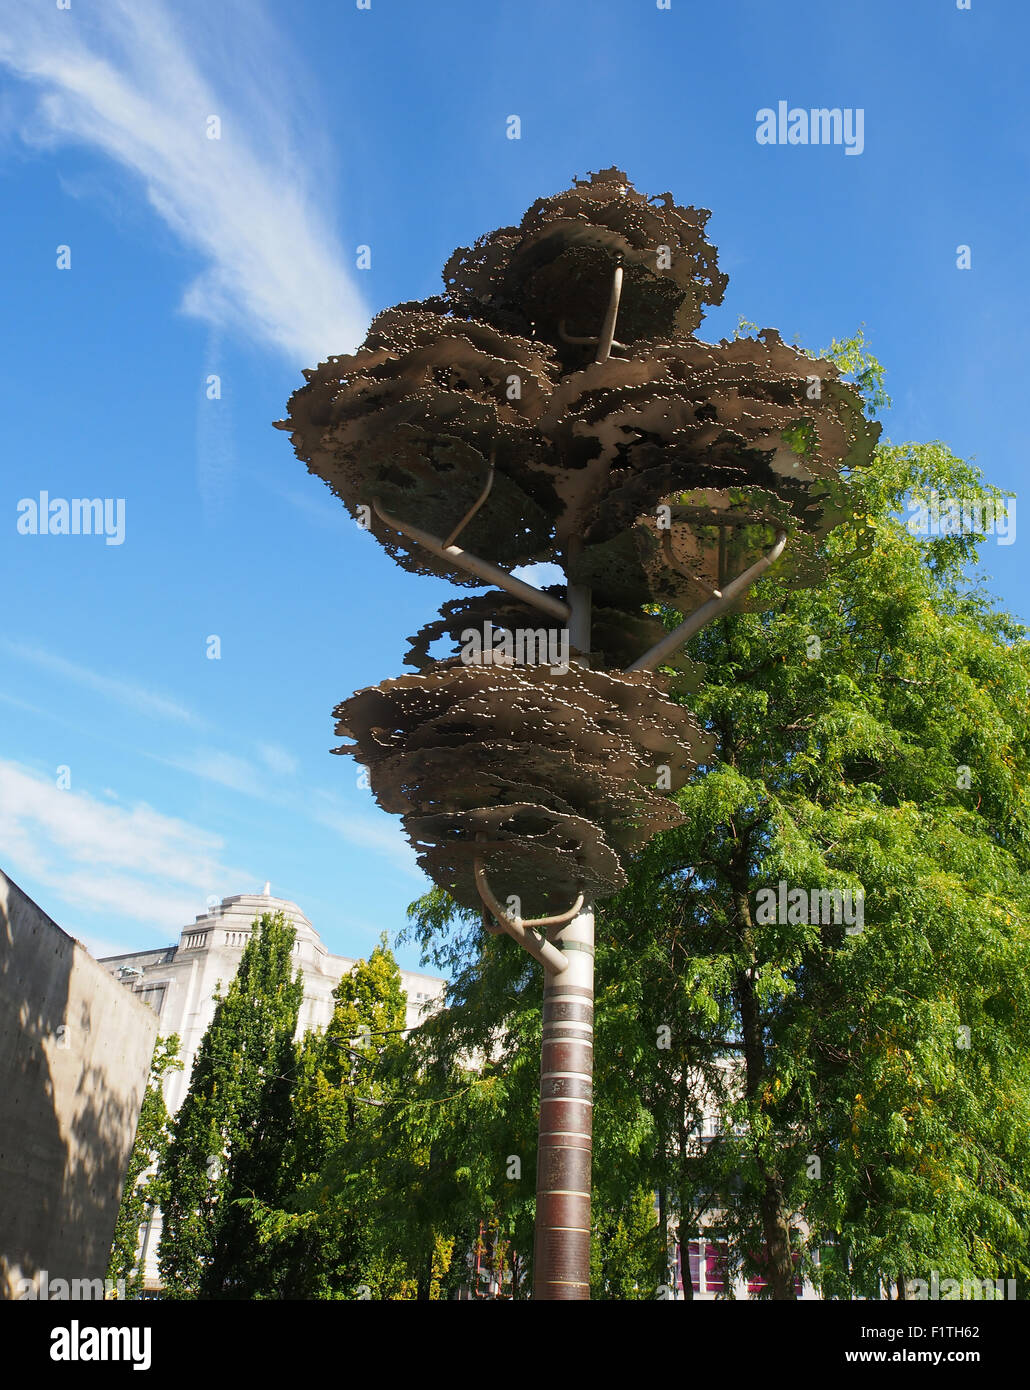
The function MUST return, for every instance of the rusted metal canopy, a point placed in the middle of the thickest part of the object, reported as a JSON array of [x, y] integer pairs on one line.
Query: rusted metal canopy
[[550, 277], [416, 419], [551, 777], [479, 424], [434, 410]]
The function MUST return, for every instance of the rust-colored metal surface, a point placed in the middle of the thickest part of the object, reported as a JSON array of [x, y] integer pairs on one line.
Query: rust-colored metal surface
[[550, 277], [587, 458], [550, 776]]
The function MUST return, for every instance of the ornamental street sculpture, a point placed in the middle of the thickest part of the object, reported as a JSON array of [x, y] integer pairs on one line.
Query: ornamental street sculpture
[[553, 405]]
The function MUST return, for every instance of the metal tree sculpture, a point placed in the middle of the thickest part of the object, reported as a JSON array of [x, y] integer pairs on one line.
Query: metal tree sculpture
[[554, 405]]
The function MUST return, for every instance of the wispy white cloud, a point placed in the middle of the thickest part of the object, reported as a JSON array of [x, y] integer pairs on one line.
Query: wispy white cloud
[[121, 78], [100, 946], [318, 506], [15, 703], [375, 831], [127, 862], [372, 831], [217, 765], [126, 693], [240, 774], [277, 759]]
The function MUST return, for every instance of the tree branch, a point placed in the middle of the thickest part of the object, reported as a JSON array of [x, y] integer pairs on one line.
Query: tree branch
[[709, 611], [472, 564], [540, 949]]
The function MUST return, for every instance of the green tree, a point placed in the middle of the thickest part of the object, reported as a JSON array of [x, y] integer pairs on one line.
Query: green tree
[[484, 1122], [139, 1192], [872, 736], [230, 1133], [837, 763], [333, 1231]]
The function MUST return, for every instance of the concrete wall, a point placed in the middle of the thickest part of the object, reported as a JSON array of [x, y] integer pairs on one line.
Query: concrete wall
[[75, 1049]]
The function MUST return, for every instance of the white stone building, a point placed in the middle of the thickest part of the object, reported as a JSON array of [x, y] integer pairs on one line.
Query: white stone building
[[179, 982]]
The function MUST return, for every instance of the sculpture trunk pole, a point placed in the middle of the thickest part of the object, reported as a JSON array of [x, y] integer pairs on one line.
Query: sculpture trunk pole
[[561, 1261]]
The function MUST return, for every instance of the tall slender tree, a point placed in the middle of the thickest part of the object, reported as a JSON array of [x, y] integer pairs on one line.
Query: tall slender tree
[[352, 1218], [230, 1132]]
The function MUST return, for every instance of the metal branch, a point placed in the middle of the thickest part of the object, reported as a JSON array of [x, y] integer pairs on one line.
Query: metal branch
[[515, 927], [714, 608], [606, 340], [557, 921], [475, 506], [574, 340], [577, 341], [604, 348], [674, 564], [488, 924], [472, 564], [586, 342]]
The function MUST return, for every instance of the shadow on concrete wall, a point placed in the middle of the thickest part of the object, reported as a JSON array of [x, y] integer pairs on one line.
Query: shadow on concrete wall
[[75, 1049]]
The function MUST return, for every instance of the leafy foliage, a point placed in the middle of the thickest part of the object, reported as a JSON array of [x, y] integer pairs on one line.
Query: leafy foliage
[[862, 1141], [139, 1192], [229, 1135]]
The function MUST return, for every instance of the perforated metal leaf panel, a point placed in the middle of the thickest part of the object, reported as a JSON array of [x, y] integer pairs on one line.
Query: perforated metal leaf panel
[[654, 476], [553, 271], [579, 748]]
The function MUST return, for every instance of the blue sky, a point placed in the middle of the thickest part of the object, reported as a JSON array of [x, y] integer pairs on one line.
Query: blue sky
[[189, 778]]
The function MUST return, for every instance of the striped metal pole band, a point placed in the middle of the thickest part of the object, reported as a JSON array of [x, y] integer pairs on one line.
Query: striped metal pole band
[[561, 1262]]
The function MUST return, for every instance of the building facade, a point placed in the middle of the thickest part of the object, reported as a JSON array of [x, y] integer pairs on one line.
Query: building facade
[[179, 982]]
